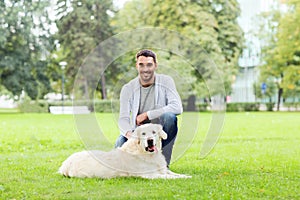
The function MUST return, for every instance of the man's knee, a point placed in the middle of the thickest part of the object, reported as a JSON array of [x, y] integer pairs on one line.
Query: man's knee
[[120, 141], [169, 123], [168, 120]]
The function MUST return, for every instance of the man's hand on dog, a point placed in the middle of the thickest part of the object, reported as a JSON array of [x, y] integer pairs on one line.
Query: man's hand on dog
[[128, 134], [141, 118]]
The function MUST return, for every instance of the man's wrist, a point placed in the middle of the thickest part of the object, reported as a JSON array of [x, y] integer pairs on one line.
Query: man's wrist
[[128, 134], [146, 116]]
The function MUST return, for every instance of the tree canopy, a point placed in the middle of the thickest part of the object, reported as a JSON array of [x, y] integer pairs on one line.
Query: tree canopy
[[82, 26], [280, 34], [25, 43], [26, 38], [288, 49], [211, 24], [29, 62]]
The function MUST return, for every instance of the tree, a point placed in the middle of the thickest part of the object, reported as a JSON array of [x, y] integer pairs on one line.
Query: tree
[[211, 24], [81, 29], [24, 44], [279, 34], [288, 50], [230, 36], [269, 71]]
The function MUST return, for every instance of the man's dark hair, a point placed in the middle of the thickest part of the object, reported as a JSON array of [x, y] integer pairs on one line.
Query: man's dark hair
[[146, 53]]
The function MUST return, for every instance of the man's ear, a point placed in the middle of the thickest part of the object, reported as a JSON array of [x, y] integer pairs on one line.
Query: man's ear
[[161, 132]]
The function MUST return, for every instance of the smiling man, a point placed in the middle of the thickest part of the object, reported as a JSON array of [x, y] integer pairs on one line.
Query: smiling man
[[149, 98]]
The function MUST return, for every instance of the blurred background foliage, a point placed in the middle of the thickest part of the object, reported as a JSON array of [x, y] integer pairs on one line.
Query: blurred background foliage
[[279, 33], [37, 36]]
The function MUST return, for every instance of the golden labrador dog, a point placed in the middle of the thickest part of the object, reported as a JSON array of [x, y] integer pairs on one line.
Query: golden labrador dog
[[140, 156]]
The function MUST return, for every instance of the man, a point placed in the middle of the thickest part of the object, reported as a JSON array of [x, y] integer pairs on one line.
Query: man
[[149, 98]]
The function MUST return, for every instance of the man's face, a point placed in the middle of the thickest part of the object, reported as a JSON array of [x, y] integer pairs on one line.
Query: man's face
[[146, 68]]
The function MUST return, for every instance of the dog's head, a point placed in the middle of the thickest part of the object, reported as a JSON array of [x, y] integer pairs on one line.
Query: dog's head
[[149, 137]]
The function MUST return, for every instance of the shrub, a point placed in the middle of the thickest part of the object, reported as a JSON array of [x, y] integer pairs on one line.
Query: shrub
[[42, 106], [108, 106], [251, 106], [290, 105], [241, 107], [100, 106], [270, 106], [30, 106], [59, 103], [203, 107]]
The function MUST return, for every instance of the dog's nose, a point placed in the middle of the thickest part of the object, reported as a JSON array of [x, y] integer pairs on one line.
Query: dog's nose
[[150, 142]]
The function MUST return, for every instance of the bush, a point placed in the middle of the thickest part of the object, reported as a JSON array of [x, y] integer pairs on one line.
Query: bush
[[199, 107], [270, 106], [59, 103], [107, 106], [241, 107], [30, 106], [100, 106], [290, 105], [251, 106], [203, 107], [42, 106]]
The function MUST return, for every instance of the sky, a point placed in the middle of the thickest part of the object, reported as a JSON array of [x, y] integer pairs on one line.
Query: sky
[[119, 3], [251, 8]]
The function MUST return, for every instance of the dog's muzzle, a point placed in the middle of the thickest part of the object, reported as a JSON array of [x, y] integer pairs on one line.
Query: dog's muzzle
[[150, 145]]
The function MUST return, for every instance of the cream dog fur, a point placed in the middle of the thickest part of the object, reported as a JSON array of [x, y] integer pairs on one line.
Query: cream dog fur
[[140, 156]]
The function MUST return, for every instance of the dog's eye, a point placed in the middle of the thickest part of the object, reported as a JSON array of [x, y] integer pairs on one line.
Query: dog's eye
[[143, 133], [153, 132]]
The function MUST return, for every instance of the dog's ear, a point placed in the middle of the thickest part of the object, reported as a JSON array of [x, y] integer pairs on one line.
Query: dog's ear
[[161, 132], [137, 132]]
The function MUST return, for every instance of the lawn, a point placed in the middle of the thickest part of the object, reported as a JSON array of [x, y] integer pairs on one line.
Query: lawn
[[256, 157]]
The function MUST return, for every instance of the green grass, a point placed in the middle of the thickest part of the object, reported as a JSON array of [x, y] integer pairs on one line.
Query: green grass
[[257, 157]]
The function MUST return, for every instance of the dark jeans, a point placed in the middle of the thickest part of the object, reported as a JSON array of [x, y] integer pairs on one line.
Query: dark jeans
[[169, 123]]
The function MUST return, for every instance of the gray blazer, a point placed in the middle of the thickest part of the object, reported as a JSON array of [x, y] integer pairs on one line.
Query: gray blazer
[[167, 99]]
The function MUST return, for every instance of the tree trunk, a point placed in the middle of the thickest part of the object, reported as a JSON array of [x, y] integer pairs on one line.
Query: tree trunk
[[86, 90], [280, 91], [103, 87]]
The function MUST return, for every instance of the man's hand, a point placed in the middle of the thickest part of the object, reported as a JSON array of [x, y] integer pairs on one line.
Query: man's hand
[[128, 134], [141, 118]]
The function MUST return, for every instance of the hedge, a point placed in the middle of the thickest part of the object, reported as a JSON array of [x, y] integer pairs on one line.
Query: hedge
[[42, 106], [28, 106], [290, 105], [240, 107]]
